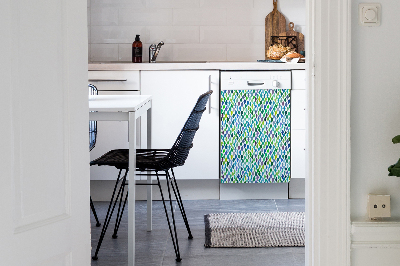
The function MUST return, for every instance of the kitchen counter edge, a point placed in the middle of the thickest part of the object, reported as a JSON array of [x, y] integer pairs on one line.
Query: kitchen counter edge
[[195, 66]]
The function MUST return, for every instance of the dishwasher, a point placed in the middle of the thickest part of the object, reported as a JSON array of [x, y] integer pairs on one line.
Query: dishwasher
[[255, 126]]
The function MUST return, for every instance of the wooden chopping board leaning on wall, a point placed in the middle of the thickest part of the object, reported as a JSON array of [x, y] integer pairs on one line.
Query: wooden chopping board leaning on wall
[[299, 36], [275, 24]]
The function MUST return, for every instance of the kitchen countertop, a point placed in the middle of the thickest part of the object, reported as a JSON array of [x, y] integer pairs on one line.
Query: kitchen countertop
[[195, 66]]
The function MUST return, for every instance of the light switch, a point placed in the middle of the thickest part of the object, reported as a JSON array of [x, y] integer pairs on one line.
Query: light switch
[[369, 14]]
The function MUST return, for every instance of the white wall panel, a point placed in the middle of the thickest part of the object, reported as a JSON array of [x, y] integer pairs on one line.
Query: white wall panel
[[145, 17], [235, 52], [202, 16], [103, 52], [172, 3], [374, 122], [105, 16], [172, 34], [236, 24]]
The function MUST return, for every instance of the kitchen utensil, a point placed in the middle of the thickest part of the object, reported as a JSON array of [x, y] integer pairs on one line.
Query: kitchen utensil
[[275, 23], [292, 32]]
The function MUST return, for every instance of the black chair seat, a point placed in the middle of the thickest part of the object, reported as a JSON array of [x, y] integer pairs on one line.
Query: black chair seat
[[117, 158], [146, 159]]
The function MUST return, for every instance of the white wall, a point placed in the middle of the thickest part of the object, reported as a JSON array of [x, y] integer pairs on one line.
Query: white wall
[[375, 113], [193, 30], [375, 108]]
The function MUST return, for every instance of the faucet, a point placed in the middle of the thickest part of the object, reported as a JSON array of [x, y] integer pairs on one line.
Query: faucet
[[154, 50]]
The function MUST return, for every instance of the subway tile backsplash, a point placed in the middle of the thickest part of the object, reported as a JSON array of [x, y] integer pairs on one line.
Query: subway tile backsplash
[[192, 30]]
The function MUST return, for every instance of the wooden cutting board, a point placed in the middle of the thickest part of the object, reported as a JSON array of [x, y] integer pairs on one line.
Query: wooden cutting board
[[275, 23], [292, 32]]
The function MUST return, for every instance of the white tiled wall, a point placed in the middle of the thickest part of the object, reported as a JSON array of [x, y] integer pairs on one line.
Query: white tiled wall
[[192, 30]]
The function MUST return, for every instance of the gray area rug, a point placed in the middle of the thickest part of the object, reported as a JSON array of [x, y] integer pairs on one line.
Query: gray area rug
[[238, 230]]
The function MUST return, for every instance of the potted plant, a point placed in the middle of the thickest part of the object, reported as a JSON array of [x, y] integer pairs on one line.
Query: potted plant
[[394, 170]]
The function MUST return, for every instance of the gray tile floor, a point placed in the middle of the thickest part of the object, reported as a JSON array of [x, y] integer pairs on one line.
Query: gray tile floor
[[155, 248]]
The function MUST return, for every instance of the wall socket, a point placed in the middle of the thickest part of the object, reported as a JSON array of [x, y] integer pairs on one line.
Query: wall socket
[[378, 206]]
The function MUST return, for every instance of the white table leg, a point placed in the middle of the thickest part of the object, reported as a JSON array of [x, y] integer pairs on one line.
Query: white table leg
[[149, 178], [132, 189]]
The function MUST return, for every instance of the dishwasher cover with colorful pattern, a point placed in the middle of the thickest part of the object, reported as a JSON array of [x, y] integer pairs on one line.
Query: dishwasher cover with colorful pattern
[[255, 136]]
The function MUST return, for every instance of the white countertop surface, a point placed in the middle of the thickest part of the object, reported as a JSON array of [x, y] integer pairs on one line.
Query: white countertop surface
[[196, 66], [117, 103]]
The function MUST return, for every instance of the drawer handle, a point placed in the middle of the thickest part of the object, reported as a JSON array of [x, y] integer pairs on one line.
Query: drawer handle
[[254, 83], [100, 80]]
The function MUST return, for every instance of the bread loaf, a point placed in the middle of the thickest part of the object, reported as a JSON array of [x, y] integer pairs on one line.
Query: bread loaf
[[293, 55], [276, 51]]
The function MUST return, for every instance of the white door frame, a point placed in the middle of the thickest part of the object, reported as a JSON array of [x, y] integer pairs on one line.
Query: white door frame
[[328, 137], [328, 154]]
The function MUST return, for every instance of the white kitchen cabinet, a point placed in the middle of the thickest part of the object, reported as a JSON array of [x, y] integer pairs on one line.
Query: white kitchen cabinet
[[112, 134], [298, 109], [298, 161], [298, 124], [115, 80], [298, 79], [174, 96]]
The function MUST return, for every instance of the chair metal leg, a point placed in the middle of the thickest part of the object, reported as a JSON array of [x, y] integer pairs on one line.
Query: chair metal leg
[[174, 239], [120, 211], [178, 258], [94, 213], [180, 203], [109, 213]]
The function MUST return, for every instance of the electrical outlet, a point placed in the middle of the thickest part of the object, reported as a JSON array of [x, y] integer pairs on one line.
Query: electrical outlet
[[378, 206]]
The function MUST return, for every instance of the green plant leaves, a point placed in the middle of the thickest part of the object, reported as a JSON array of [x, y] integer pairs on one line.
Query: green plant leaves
[[396, 139], [394, 170]]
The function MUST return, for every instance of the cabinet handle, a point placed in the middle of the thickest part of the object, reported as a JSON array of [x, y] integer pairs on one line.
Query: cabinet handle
[[209, 89], [275, 84], [99, 80], [209, 99], [254, 83]]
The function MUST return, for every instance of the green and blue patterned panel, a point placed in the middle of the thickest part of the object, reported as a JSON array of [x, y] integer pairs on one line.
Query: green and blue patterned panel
[[255, 136]]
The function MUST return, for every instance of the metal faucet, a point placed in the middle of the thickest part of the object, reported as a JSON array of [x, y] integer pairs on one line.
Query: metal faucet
[[154, 50]]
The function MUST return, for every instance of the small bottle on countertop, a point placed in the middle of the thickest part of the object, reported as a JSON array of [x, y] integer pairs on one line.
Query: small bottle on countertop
[[137, 50]]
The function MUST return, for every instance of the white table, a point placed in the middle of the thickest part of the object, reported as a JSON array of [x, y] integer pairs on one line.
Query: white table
[[127, 108]]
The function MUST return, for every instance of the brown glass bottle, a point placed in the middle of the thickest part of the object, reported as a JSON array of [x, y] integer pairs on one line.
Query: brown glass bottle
[[137, 50]]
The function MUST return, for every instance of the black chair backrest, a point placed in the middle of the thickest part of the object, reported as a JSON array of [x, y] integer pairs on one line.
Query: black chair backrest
[[92, 124], [180, 150]]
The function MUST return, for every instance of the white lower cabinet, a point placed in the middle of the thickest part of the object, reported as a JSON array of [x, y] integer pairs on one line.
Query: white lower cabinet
[[298, 135], [174, 96], [112, 134], [298, 152]]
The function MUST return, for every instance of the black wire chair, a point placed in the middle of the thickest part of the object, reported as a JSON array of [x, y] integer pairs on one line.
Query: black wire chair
[[92, 143], [154, 160]]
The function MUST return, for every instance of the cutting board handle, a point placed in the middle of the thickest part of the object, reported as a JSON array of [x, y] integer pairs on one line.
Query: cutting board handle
[[291, 26], [275, 4]]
